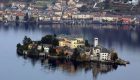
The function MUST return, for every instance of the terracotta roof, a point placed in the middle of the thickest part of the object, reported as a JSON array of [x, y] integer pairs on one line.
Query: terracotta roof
[[20, 14]]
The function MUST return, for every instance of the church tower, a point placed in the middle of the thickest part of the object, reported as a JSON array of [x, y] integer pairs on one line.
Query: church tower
[[95, 42]]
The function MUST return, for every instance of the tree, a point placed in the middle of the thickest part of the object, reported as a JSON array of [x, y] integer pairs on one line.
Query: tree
[[3, 18], [61, 53], [42, 48], [50, 39], [83, 9], [106, 4], [45, 7], [75, 54], [26, 40], [19, 49], [26, 17], [55, 35], [28, 0], [52, 51], [17, 18], [125, 1], [18, 45], [32, 19], [114, 56], [55, 42], [87, 43], [47, 39]]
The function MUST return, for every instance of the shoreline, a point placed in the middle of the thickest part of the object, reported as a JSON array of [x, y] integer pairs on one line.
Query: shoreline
[[117, 62], [69, 23]]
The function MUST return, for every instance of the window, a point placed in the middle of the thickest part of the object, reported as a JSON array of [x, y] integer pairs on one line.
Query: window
[[98, 51], [98, 54]]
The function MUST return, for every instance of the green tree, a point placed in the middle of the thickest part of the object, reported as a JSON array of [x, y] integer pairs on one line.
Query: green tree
[[55, 42], [83, 9], [55, 35], [26, 40], [87, 43], [18, 45], [52, 51], [114, 56], [75, 54], [26, 17], [17, 18], [32, 19], [3, 18], [125, 1], [42, 49], [50, 39], [106, 4], [19, 48]]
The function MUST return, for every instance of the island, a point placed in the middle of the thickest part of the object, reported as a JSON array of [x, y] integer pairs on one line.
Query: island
[[69, 48]]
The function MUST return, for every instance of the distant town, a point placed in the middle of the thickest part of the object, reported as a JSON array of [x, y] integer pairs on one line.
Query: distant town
[[71, 11]]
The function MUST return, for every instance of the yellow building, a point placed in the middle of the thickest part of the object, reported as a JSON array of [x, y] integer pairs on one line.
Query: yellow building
[[81, 16], [71, 42], [56, 18]]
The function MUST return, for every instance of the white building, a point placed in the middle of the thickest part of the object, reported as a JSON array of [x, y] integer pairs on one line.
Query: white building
[[104, 54], [101, 0], [101, 54], [96, 42], [39, 47], [46, 48], [134, 2]]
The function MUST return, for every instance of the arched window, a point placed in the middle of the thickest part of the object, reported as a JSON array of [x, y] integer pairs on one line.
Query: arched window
[[98, 51]]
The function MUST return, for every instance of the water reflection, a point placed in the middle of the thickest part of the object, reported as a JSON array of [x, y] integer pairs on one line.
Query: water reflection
[[72, 67], [106, 33]]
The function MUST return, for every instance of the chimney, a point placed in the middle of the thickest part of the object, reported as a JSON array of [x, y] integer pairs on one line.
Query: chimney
[[95, 42]]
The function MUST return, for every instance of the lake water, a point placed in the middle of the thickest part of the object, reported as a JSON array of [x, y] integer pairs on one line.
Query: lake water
[[125, 40]]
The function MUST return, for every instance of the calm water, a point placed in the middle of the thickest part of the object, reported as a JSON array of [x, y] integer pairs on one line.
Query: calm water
[[125, 40]]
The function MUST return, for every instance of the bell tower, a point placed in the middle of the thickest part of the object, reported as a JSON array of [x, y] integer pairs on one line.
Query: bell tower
[[95, 42]]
